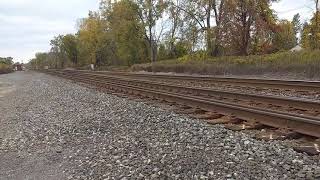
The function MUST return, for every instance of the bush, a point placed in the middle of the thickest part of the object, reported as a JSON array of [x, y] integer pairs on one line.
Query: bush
[[4, 68], [304, 62]]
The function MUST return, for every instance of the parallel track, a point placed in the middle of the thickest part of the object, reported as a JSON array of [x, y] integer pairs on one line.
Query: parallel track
[[304, 124], [267, 83]]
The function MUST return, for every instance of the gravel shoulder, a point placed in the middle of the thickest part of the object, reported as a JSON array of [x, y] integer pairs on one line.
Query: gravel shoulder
[[51, 128]]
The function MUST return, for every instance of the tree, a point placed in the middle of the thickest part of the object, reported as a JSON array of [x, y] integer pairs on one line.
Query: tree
[[203, 13], [70, 47], [285, 37], [191, 36], [91, 35], [176, 23], [127, 32], [317, 13], [163, 52], [296, 25], [150, 11], [219, 13], [248, 22], [57, 53], [6, 60], [41, 60], [311, 33], [310, 37]]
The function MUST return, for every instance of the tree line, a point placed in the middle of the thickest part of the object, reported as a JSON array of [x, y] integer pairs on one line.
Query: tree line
[[6, 64], [6, 60], [127, 32]]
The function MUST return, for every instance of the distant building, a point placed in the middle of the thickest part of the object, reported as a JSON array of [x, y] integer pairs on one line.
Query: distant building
[[296, 48]]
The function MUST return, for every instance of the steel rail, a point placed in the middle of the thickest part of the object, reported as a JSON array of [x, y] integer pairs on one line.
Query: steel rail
[[275, 100], [302, 124], [267, 83]]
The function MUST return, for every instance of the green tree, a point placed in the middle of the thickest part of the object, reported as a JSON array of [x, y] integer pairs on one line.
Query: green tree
[[127, 32], [311, 33], [163, 52], [150, 11], [6, 60], [285, 37], [58, 56], [91, 35], [40, 61], [70, 47]]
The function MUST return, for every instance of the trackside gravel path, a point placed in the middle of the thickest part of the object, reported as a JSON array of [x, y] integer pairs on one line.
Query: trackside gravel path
[[51, 128]]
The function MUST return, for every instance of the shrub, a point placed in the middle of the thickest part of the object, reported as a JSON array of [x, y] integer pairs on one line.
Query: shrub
[[4, 68], [304, 62]]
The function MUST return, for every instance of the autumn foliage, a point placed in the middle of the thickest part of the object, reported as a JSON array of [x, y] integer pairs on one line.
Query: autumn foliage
[[128, 32]]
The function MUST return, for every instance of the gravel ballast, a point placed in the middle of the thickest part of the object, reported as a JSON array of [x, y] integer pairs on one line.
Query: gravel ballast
[[51, 128]]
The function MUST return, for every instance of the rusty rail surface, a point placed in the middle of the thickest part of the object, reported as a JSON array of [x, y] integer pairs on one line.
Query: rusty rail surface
[[299, 123]]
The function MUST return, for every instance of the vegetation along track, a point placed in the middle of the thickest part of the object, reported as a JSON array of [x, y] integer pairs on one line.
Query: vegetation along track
[[201, 98]]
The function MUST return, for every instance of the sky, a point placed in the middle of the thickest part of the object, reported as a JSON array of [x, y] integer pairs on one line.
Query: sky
[[27, 26]]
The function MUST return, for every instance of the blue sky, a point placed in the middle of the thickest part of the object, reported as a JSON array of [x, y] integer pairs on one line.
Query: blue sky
[[27, 26]]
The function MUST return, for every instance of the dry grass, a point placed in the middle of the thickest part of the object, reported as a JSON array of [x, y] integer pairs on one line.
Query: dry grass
[[305, 62]]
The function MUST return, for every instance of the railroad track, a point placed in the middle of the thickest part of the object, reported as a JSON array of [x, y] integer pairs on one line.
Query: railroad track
[[266, 83], [206, 99], [292, 103]]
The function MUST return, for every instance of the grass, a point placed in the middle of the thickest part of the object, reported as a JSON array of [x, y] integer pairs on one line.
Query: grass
[[5, 69], [305, 63], [112, 68]]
